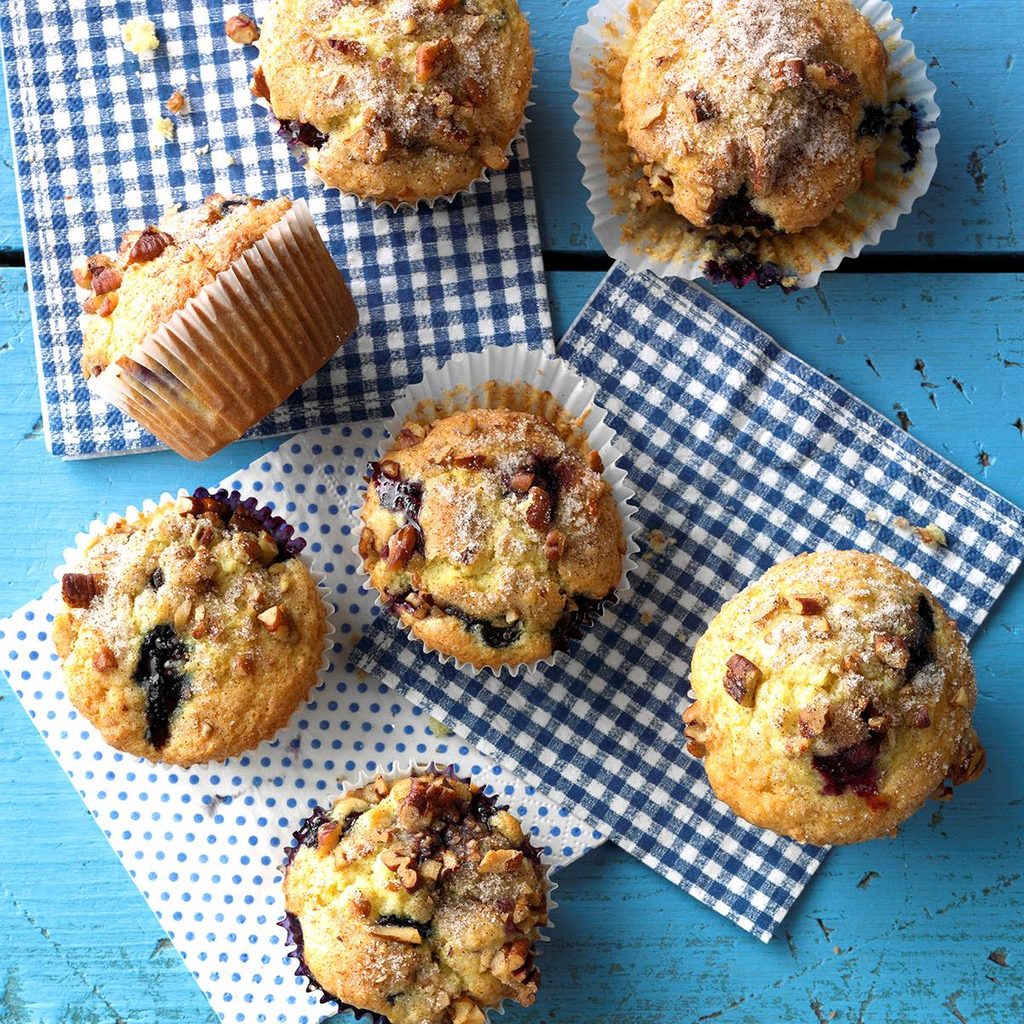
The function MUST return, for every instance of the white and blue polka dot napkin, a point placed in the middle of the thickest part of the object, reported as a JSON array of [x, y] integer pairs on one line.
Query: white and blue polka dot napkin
[[740, 455], [428, 283], [204, 845]]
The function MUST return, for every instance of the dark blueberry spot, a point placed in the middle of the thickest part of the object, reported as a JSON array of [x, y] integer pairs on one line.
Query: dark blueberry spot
[[920, 642], [307, 832], [853, 768], [156, 578], [350, 820], [230, 504], [744, 269], [873, 123], [580, 616], [230, 204], [301, 133], [161, 673], [910, 142], [739, 212], [396, 495], [497, 636], [390, 920]]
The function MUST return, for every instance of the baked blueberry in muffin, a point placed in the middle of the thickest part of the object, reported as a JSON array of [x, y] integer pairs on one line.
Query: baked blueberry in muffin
[[193, 632], [490, 536], [833, 697], [416, 899], [397, 100], [749, 115]]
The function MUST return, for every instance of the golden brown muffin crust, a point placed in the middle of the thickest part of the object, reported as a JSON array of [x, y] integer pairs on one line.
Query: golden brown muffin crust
[[491, 536], [156, 271], [833, 696], [397, 100], [745, 113], [188, 635], [417, 899]]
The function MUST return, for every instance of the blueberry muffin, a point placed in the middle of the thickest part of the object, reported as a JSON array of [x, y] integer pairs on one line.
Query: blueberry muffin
[[754, 114], [833, 697], [418, 900], [397, 100], [492, 538], [198, 365], [192, 633]]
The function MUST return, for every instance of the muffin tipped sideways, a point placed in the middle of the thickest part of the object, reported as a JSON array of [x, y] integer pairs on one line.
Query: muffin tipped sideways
[[833, 696], [417, 899]]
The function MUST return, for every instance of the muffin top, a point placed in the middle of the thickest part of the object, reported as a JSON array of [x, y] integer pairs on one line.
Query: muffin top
[[490, 536], [755, 114], [418, 899], [156, 271], [192, 633], [833, 696], [397, 100]]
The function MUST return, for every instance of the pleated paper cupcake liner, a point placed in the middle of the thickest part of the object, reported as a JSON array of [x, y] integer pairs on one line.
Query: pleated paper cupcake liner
[[293, 930], [241, 346], [660, 240], [274, 525], [523, 379]]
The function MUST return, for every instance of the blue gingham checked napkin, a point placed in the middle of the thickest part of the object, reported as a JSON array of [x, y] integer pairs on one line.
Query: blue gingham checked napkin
[[428, 282], [741, 455]]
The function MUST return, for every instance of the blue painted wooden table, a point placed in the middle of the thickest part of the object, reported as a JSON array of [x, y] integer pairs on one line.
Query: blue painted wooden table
[[925, 928]]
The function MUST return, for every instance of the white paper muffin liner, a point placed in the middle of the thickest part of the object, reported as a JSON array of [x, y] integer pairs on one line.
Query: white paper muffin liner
[[239, 347], [393, 773], [463, 383], [74, 555], [670, 247]]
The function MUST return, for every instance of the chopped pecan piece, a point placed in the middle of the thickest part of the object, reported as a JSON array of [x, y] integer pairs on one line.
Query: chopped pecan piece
[[258, 86], [432, 57], [470, 462], [348, 47], [970, 762], [79, 588], [742, 678], [496, 862], [493, 157], [410, 435], [808, 605], [105, 278], [101, 305], [594, 462], [892, 651], [788, 73], [408, 877], [150, 244], [391, 469], [474, 92], [275, 618], [918, 718], [762, 170], [82, 276], [699, 105], [694, 731], [834, 77], [401, 547], [521, 481], [442, 6], [554, 545], [399, 933], [327, 836], [538, 512], [241, 29], [813, 719], [104, 659], [176, 102]]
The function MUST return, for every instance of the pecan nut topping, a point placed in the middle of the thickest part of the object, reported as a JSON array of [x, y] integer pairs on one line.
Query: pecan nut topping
[[742, 678], [241, 29], [150, 244], [78, 589]]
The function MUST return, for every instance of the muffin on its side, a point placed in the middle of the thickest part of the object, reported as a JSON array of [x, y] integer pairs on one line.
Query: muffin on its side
[[192, 633], [416, 899], [833, 697], [201, 325], [755, 115], [398, 100], [491, 537]]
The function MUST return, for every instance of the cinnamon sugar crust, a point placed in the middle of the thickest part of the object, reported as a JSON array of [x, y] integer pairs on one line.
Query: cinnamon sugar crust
[[418, 900], [397, 100], [745, 114], [491, 537], [156, 271], [190, 634], [833, 697]]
